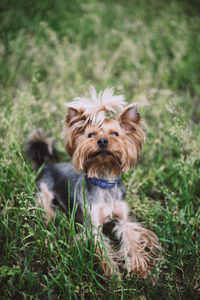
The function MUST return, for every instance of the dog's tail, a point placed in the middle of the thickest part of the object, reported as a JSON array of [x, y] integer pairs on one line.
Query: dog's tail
[[40, 149]]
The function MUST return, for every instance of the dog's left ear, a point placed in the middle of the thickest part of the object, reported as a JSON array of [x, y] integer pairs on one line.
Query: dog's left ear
[[129, 114]]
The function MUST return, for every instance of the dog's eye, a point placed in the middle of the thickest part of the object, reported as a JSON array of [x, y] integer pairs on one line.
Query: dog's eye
[[114, 133], [92, 134]]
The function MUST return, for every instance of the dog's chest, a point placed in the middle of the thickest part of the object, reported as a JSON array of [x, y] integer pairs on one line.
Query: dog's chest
[[102, 205], [107, 196]]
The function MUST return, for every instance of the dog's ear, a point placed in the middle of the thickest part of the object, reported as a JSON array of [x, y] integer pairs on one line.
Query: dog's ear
[[129, 115], [73, 126], [73, 115]]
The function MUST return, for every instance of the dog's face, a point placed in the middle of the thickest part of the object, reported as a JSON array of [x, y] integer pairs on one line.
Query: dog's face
[[105, 150]]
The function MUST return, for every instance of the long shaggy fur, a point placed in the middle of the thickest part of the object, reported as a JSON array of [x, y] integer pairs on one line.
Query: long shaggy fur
[[138, 244], [122, 152], [95, 106]]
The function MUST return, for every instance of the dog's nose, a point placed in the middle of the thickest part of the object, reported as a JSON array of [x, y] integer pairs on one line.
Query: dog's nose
[[102, 143]]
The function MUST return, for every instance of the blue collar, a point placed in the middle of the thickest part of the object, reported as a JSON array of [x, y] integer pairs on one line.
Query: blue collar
[[104, 184]]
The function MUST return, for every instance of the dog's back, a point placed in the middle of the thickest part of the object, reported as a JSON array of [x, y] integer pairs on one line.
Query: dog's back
[[56, 181]]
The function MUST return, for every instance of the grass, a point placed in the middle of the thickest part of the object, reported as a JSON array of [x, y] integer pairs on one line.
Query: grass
[[51, 52]]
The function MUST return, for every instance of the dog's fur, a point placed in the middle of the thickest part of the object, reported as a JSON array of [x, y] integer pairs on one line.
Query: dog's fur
[[101, 148]]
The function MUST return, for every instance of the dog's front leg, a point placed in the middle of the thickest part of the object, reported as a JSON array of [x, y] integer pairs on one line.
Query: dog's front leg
[[139, 246], [99, 214]]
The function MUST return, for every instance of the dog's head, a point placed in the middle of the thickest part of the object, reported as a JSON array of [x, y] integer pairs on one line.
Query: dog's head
[[102, 146]]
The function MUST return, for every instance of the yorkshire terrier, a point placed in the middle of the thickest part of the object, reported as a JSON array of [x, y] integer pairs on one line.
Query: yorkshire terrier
[[104, 139]]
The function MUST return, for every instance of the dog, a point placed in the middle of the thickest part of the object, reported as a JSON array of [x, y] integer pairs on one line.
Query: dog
[[104, 139]]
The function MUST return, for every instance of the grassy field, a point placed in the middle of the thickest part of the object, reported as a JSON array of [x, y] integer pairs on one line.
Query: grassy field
[[51, 51]]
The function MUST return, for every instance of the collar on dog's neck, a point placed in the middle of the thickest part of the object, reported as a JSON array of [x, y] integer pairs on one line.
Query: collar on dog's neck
[[103, 183]]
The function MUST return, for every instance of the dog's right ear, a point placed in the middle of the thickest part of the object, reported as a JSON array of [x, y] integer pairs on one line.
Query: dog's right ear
[[73, 127], [73, 115]]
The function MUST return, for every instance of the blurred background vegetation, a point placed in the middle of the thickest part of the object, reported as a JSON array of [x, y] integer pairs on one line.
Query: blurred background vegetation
[[50, 52]]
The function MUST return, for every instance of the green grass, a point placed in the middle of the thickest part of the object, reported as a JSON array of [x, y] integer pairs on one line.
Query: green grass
[[52, 51]]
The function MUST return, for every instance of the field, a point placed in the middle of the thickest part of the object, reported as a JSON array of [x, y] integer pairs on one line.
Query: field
[[51, 52]]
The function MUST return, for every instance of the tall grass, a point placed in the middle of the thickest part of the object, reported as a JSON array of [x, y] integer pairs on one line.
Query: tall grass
[[51, 52]]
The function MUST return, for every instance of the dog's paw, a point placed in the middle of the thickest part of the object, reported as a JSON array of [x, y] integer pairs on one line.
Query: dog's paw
[[139, 247]]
